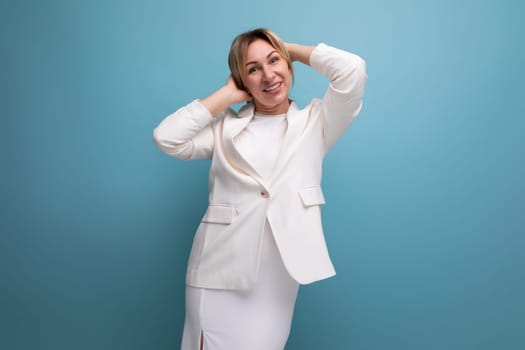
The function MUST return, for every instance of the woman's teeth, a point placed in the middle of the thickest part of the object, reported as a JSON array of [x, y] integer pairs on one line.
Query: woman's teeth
[[273, 87]]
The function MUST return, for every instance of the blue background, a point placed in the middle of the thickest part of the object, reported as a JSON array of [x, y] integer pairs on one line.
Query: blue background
[[425, 192]]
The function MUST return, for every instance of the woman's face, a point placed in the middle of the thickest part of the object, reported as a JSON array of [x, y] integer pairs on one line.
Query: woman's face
[[267, 78]]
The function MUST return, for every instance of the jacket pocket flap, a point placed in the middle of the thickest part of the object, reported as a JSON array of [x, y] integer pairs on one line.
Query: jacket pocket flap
[[312, 196], [219, 214]]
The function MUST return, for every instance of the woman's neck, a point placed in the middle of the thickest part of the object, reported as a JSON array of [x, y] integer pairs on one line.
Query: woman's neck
[[278, 109]]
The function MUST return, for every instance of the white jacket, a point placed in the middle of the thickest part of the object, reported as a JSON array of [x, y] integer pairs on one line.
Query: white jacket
[[227, 244]]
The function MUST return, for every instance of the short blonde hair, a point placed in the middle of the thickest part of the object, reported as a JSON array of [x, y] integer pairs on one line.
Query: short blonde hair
[[239, 47]]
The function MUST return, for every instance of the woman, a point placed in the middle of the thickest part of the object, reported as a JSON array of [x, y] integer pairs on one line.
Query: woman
[[261, 235]]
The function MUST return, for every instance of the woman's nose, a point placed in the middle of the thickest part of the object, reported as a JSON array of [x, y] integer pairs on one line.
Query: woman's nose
[[268, 74]]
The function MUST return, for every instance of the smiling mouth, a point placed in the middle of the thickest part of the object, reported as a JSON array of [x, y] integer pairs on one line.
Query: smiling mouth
[[273, 87]]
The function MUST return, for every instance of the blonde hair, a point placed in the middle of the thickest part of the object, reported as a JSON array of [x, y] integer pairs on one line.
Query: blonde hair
[[239, 47]]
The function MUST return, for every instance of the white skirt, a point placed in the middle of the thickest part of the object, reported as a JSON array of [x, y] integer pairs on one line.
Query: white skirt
[[258, 319]]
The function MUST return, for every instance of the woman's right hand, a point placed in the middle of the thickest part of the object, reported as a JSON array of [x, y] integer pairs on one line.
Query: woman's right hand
[[229, 94], [236, 94]]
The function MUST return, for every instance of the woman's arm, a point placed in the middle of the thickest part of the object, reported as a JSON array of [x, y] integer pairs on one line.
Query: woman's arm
[[343, 99], [299, 52], [224, 97], [187, 133]]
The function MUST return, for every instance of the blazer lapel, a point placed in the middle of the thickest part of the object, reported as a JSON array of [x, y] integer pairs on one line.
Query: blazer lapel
[[231, 128]]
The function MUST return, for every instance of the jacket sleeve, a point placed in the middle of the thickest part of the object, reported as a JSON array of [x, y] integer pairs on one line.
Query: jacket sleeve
[[343, 99], [187, 133]]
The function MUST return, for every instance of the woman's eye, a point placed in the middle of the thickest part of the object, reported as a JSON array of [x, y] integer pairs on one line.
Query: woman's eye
[[274, 59], [252, 70]]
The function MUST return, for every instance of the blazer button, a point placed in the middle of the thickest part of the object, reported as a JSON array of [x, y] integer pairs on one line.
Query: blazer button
[[264, 194]]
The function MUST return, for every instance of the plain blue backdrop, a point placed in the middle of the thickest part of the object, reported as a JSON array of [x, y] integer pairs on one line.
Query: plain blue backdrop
[[425, 196]]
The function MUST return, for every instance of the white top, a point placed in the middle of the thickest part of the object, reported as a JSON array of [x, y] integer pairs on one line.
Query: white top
[[261, 141]]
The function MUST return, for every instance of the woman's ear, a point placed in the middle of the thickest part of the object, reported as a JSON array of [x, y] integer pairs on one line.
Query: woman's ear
[[239, 84], [245, 89]]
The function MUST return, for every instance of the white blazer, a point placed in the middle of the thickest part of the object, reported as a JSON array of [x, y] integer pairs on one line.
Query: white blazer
[[227, 245]]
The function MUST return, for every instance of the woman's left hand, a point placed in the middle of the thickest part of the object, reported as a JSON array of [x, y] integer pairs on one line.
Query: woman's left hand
[[299, 52]]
